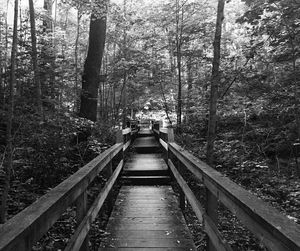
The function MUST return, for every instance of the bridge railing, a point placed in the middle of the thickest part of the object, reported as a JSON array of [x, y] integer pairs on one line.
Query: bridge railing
[[22, 231], [274, 230]]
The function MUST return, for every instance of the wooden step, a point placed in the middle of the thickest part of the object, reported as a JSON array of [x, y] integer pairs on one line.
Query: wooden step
[[146, 180], [146, 145], [162, 172], [145, 132]]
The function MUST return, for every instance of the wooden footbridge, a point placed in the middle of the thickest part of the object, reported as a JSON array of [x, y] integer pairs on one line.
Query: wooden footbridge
[[147, 214]]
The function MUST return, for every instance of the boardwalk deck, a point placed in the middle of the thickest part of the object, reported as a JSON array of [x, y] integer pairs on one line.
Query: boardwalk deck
[[145, 132], [147, 144], [145, 163], [147, 218]]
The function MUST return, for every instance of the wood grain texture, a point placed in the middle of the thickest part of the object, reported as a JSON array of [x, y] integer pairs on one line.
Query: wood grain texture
[[147, 218], [275, 230], [145, 142], [29, 225]]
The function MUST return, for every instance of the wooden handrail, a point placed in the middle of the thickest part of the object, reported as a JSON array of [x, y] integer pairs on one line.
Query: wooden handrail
[[84, 227], [275, 230], [27, 227], [126, 131]]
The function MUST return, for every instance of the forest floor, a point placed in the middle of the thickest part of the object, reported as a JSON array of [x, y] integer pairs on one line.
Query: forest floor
[[244, 160], [46, 153], [62, 144]]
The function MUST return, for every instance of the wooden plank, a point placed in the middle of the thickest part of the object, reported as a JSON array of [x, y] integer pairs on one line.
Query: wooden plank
[[220, 244], [145, 131], [145, 220], [272, 228], [164, 144], [126, 145], [163, 130], [152, 234], [146, 214], [153, 227], [171, 137], [194, 202], [155, 131], [145, 142], [211, 207], [126, 131], [119, 137], [145, 162], [151, 243], [84, 227], [158, 214], [147, 249], [29, 225], [81, 209]]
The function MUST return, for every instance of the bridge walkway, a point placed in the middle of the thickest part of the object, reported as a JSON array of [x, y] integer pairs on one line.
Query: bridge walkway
[[146, 215]]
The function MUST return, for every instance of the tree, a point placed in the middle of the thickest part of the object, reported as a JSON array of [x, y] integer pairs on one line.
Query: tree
[[275, 26], [91, 74], [12, 84], [48, 54], [34, 59], [179, 30], [215, 80]]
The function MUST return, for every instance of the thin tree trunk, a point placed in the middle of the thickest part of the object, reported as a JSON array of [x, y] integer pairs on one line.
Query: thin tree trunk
[[1, 71], [165, 103], [189, 90], [12, 83], [6, 51], [35, 60], [124, 114], [214, 83], [178, 50], [76, 101]]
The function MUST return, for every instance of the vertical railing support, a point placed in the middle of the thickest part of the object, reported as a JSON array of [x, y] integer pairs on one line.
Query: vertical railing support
[[160, 125], [120, 139], [181, 193], [170, 140], [212, 213], [81, 210], [109, 173]]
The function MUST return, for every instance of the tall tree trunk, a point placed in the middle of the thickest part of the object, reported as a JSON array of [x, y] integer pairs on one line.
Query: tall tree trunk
[[90, 78], [179, 27], [6, 51], [215, 83], [124, 114], [47, 77], [12, 83], [1, 72], [35, 60], [189, 89]]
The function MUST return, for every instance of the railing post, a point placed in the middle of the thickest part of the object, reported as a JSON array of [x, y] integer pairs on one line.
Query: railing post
[[212, 212], [81, 210], [109, 173], [160, 125], [120, 139], [181, 199], [170, 140], [181, 193]]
